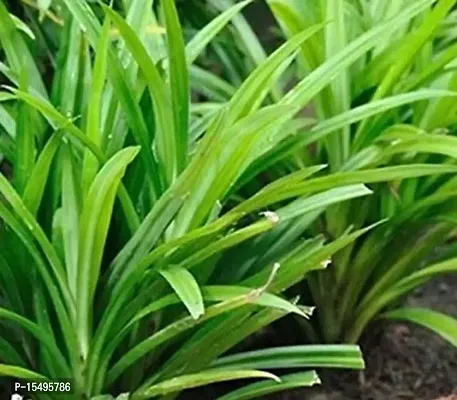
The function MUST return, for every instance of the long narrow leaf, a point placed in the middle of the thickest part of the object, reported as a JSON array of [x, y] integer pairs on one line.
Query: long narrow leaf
[[442, 324], [179, 82], [200, 379], [260, 389]]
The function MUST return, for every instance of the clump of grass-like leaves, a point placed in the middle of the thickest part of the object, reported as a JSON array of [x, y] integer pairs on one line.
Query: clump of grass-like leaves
[[124, 204], [386, 118]]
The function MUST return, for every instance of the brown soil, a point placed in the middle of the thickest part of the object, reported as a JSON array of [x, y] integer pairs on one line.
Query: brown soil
[[406, 363]]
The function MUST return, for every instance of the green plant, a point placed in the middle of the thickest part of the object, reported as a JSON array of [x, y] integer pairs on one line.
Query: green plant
[[120, 212], [387, 58]]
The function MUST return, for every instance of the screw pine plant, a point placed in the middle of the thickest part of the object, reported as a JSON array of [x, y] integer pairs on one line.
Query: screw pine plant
[[121, 209], [381, 121]]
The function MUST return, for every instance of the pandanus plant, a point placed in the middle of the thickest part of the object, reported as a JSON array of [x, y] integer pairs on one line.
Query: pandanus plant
[[121, 209]]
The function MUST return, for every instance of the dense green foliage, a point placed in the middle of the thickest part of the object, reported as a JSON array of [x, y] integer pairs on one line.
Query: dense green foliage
[[118, 213], [145, 235], [376, 271], [387, 62]]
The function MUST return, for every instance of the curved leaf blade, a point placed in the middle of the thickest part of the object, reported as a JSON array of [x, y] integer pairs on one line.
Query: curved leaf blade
[[186, 287], [324, 356], [204, 36], [203, 378], [18, 372], [440, 323], [260, 389], [95, 221]]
